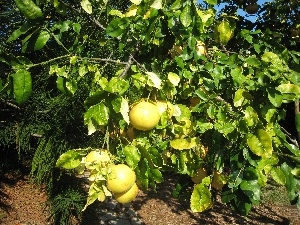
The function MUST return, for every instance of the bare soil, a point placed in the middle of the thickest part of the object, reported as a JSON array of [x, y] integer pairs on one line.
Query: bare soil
[[23, 203]]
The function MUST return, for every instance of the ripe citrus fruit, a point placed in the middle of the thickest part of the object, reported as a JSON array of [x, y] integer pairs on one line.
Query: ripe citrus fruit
[[127, 196], [165, 106], [217, 182], [144, 116], [201, 173], [121, 178], [97, 156]]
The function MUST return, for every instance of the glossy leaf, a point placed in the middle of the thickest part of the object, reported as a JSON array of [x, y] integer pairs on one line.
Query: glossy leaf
[[260, 143], [132, 155], [252, 190], [87, 6], [117, 26], [95, 116], [117, 85], [200, 199], [124, 110], [35, 41], [278, 176], [157, 4], [185, 16], [154, 79], [22, 30], [69, 160], [22, 85], [137, 2], [225, 31], [186, 143]]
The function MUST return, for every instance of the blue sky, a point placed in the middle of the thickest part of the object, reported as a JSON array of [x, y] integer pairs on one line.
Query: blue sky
[[243, 13]]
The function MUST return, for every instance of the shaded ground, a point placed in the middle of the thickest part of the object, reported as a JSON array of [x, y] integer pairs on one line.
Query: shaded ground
[[160, 208], [22, 203]]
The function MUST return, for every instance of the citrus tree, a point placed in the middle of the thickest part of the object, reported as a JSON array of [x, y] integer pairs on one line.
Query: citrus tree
[[171, 86]]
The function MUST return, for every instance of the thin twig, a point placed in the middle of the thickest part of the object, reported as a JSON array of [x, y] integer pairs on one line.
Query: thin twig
[[129, 62], [93, 19], [36, 135], [10, 104], [49, 61], [289, 136], [103, 60]]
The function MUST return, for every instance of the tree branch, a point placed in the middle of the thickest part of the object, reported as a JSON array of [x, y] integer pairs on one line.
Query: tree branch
[[103, 60], [297, 112], [289, 136], [93, 19], [10, 104], [129, 62]]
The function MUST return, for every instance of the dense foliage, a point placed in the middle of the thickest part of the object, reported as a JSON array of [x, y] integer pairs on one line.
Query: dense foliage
[[72, 71]]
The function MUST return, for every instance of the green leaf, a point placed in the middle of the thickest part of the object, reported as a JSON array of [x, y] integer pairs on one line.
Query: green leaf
[[260, 144], [253, 61], [246, 35], [156, 175], [297, 122], [124, 110], [289, 89], [154, 79], [137, 2], [252, 190], [185, 113], [207, 18], [35, 41], [275, 97], [185, 143], [242, 204], [87, 6], [157, 4], [278, 176], [22, 85], [22, 30], [237, 76], [71, 86], [93, 99], [272, 58], [211, 2], [173, 78], [176, 5], [61, 84], [251, 117], [117, 85], [142, 174], [290, 182], [225, 31], [241, 97], [117, 26], [96, 116], [132, 155], [42, 39], [185, 16], [200, 199], [69, 160]]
